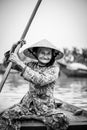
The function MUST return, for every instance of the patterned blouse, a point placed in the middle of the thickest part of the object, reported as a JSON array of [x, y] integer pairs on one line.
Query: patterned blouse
[[41, 86]]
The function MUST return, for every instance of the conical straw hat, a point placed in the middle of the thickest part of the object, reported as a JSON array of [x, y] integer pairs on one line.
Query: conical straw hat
[[28, 52]]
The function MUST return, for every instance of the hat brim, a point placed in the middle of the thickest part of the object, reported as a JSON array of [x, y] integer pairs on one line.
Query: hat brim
[[41, 44], [31, 54]]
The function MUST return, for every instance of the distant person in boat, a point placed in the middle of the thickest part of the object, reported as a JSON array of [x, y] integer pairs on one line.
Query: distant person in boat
[[68, 57], [39, 102]]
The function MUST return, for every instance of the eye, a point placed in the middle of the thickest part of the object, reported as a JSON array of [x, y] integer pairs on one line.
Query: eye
[[49, 53], [42, 52]]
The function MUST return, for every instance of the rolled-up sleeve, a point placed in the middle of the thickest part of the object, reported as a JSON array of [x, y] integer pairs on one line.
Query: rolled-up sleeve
[[41, 78]]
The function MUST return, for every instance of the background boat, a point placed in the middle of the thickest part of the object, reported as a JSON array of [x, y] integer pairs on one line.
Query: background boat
[[71, 71], [74, 73]]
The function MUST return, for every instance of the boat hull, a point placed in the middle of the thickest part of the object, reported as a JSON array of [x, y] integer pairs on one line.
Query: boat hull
[[33, 124]]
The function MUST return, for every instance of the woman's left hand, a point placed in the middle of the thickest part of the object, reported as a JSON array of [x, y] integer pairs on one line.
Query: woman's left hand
[[15, 59]]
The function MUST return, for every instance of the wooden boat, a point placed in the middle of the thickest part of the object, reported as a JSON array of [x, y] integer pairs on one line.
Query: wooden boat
[[73, 72], [77, 118]]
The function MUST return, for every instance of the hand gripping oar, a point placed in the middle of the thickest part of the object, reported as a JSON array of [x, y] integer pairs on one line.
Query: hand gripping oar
[[19, 45]]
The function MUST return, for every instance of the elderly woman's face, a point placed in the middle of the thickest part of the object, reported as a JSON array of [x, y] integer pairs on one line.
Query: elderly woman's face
[[44, 55]]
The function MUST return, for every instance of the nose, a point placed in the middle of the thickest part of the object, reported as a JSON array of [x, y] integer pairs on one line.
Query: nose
[[45, 56]]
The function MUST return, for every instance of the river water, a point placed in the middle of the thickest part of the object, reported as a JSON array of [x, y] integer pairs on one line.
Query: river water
[[70, 90]]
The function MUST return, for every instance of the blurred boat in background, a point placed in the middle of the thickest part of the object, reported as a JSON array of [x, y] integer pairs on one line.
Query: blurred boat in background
[[74, 69]]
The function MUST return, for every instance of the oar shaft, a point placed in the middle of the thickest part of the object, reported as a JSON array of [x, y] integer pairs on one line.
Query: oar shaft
[[19, 46], [31, 19], [5, 75], [8, 70]]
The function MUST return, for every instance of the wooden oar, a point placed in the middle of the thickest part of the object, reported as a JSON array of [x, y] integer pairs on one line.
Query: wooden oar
[[19, 45]]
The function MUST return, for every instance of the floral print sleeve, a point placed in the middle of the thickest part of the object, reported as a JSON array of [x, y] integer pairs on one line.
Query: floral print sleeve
[[42, 78]]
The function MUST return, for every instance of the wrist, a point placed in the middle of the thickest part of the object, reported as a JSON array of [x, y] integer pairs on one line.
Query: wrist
[[22, 65], [23, 70]]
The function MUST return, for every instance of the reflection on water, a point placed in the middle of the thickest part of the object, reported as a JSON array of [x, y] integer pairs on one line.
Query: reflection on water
[[71, 90]]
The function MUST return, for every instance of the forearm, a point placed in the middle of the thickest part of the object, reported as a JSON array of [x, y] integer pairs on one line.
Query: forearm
[[20, 67], [38, 78]]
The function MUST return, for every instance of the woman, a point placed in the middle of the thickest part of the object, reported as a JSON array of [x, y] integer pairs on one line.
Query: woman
[[41, 74]]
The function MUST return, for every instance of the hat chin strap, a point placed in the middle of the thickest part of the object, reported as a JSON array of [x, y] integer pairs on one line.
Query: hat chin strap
[[34, 54]]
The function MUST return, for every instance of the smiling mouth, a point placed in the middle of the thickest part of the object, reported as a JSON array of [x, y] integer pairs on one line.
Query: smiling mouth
[[44, 59]]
